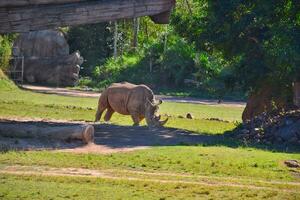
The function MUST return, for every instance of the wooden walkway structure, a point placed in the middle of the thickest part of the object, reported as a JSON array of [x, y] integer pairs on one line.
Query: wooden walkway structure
[[32, 15]]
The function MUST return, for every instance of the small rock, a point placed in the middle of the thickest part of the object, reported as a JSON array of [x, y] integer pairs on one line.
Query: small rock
[[189, 116], [245, 131], [258, 129], [292, 163]]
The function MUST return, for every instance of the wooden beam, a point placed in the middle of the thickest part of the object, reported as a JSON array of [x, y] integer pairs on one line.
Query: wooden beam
[[48, 16], [17, 3]]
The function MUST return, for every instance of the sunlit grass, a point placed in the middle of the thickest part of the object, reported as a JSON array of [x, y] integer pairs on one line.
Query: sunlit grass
[[39, 187], [215, 159], [198, 160], [20, 103]]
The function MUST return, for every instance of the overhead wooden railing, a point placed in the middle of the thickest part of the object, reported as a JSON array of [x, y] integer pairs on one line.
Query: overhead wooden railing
[[31, 15]]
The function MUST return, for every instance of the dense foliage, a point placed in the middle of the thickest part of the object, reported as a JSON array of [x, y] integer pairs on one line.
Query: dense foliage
[[152, 65], [261, 39], [93, 42], [5, 50]]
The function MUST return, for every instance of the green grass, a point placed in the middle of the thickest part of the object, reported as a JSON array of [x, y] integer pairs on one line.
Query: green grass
[[230, 113], [199, 160], [37, 187], [198, 111], [215, 159], [19, 103]]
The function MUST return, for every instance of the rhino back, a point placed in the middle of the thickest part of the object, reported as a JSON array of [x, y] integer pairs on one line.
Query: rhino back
[[126, 98]]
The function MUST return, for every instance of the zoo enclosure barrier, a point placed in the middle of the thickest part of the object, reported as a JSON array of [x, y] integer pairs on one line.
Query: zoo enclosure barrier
[[15, 71]]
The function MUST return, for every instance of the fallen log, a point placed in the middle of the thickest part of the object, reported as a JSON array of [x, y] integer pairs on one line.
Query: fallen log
[[82, 132]]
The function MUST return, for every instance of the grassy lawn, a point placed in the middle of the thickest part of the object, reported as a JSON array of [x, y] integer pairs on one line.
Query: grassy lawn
[[18, 103], [196, 160], [37, 187], [198, 111], [216, 160]]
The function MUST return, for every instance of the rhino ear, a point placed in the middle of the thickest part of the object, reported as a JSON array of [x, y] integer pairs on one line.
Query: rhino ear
[[158, 102]]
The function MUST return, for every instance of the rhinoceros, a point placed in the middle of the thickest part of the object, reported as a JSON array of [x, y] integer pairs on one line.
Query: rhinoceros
[[130, 99]]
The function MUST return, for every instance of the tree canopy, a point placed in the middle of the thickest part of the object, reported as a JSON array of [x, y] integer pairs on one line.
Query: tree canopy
[[261, 39]]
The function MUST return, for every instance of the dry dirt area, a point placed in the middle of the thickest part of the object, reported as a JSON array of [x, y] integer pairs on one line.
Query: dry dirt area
[[108, 138], [79, 93]]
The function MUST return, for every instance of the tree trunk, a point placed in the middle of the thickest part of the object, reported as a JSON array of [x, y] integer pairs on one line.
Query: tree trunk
[[116, 40], [166, 39], [297, 94], [30, 130], [150, 62], [136, 26]]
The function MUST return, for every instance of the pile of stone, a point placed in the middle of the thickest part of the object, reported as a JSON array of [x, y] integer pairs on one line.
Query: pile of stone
[[272, 128]]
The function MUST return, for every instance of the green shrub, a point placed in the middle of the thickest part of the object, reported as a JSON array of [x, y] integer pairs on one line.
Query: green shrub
[[5, 52], [169, 66]]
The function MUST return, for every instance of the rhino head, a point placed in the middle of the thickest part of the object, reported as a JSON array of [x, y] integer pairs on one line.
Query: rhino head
[[151, 109]]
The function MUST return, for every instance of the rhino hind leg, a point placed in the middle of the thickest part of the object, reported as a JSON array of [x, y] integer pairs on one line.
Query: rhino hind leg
[[102, 105], [100, 110], [99, 114], [108, 114]]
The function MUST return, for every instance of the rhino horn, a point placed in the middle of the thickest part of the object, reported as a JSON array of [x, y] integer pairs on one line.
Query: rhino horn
[[158, 117], [163, 122]]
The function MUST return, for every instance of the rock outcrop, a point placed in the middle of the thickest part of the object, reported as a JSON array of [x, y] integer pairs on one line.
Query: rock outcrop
[[279, 127], [47, 59]]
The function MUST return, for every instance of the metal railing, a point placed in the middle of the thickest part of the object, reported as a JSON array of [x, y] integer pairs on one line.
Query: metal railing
[[15, 71]]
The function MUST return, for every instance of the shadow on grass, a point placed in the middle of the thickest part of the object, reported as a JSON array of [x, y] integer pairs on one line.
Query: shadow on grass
[[116, 136], [120, 137]]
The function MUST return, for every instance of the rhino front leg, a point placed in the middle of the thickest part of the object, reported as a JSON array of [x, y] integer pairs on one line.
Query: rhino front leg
[[141, 118], [136, 119]]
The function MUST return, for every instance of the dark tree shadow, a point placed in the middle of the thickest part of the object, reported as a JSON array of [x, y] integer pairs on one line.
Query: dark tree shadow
[[115, 136]]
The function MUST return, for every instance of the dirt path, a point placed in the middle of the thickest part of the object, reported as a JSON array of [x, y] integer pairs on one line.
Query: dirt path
[[78, 93], [131, 175]]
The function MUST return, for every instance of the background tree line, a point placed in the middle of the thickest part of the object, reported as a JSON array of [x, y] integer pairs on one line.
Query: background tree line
[[212, 48]]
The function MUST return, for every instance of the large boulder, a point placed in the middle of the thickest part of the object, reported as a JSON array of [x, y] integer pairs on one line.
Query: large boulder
[[47, 59]]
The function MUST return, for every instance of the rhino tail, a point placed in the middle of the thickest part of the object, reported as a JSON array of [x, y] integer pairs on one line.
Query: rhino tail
[[102, 105]]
